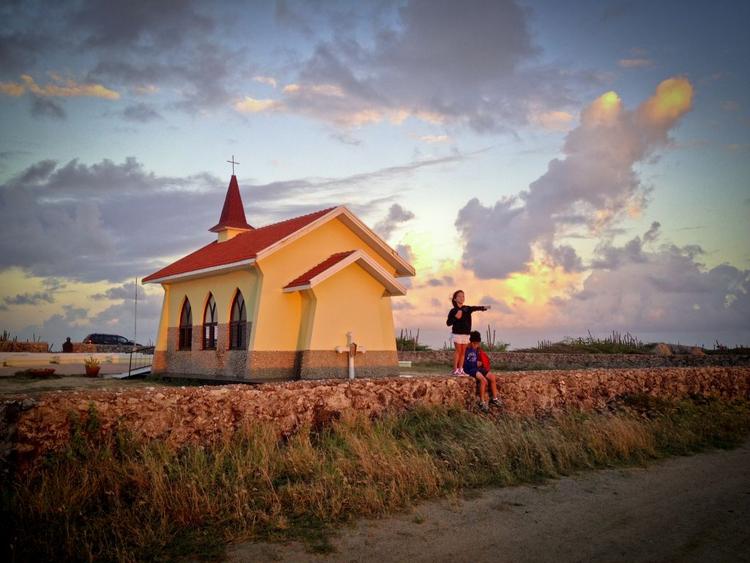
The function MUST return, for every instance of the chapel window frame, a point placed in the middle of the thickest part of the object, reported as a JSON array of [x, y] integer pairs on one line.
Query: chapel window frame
[[238, 323], [210, 323], [185, 338]]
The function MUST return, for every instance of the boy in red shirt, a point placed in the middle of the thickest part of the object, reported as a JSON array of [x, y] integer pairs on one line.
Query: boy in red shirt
[[477, 365]]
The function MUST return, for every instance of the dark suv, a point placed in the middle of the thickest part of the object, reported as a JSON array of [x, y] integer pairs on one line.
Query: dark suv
[[108, 339]]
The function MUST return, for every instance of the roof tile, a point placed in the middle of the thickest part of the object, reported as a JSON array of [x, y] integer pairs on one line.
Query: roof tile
[[242, 247], [332, 260]]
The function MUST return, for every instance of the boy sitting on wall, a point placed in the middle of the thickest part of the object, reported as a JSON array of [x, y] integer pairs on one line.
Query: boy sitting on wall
[[477, 365]]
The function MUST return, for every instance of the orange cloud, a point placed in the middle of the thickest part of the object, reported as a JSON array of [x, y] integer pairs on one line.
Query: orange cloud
[[673, 98], [521, 300], [605, 110], [68, 88], [12, 89], [343, 109], [553, 120], [60, 87], [251, 105]]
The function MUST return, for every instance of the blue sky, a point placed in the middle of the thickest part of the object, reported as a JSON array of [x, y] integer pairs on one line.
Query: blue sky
[[455, 129]]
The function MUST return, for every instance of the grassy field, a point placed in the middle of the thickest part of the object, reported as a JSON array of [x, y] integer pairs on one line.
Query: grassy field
[[119, 500]]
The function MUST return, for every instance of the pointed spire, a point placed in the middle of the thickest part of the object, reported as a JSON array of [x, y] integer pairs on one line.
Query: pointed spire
[[233, 212]]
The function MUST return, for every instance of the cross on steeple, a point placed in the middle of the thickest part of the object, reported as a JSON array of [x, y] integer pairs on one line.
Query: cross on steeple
[[232, 162]]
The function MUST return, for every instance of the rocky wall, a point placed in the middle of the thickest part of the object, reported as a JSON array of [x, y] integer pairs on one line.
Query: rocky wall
[[13, 346], [509, 361], [203, 415]]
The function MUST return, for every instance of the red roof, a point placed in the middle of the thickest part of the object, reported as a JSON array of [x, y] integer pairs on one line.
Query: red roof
[[233, 212], [244, 246], [305, 278]]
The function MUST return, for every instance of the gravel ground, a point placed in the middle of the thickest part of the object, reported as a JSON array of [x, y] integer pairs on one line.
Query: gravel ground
[[694, 509]]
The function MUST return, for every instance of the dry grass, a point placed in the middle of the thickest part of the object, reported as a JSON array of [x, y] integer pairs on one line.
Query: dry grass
[[131, 502]]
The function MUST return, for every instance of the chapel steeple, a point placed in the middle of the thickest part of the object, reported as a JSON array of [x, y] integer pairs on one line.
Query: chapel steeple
[[232, 221]]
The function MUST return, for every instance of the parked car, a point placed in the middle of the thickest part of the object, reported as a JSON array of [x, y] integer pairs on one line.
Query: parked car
[[108, 339]]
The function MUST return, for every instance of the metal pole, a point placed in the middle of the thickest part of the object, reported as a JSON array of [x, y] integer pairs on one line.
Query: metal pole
[[135, 314], [135, 327]]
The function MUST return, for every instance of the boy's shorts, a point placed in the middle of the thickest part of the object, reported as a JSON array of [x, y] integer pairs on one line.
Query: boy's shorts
[[480, 370]]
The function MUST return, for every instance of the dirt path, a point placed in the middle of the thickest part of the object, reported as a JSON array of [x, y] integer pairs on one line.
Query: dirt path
[[684, 509]]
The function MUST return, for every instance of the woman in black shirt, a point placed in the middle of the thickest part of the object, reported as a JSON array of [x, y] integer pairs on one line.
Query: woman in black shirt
[[459, 318]]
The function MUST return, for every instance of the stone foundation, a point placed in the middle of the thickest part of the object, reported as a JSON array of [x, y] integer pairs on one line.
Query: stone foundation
[[272, 366], [258, 366], [325, 364], [219, 363]]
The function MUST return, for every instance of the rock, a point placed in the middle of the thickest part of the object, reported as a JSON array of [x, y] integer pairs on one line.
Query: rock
[[697, 351], [26, 404], [662, 349]]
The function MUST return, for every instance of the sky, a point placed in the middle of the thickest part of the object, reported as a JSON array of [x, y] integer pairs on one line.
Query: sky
[[579, 166]]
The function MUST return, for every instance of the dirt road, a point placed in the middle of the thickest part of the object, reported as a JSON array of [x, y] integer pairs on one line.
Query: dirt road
[[684, 509]]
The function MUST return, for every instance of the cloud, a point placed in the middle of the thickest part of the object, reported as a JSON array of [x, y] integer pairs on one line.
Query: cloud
[[95, 222], [653, 232], [45, 107], [124, 291], [251, 105], [141, 113], [592, 187], [77, 322], [564, 256], [434, 138], [30, 298], [176, 49], [12, 89], [635, 63], [268, 80], [406, 252], [664, 289], [416, 66], [59, 87], [114, 221], [396, 216], [497, 305], [730, 105], [552, 120], [27, 33], [439, 282], [139, 24]]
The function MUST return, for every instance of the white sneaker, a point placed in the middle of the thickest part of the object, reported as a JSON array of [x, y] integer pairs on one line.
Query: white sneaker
[[461, 371], [455, 372]]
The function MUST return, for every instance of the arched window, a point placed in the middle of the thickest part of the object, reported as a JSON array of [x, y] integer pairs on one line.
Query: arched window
[[186, 326], [238, 324], [209, 324]]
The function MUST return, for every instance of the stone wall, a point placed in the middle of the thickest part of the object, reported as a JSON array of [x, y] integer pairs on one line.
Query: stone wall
[[508, 361], [12, 346], [203, 415]]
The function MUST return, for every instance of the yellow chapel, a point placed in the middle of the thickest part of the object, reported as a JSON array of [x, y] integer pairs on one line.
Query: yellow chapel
[[283, 301]]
